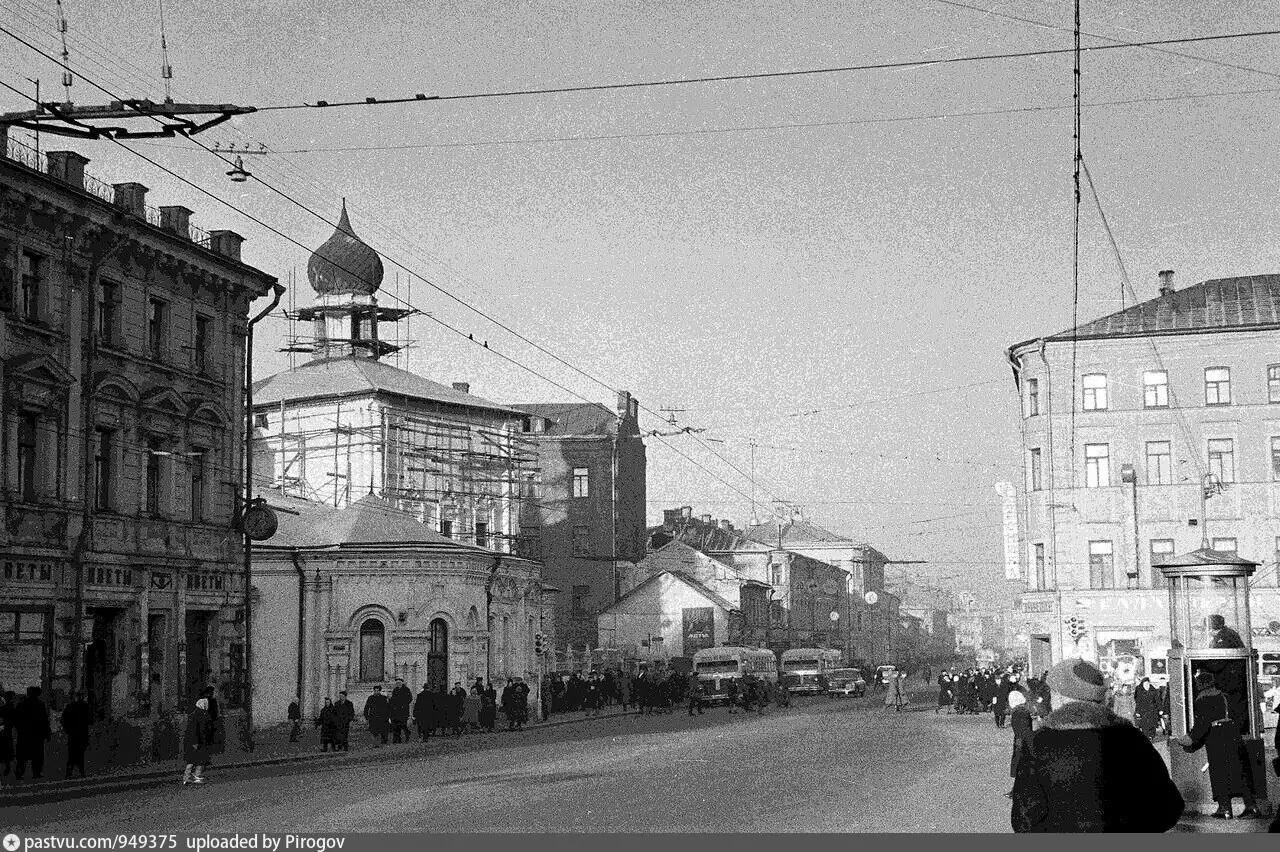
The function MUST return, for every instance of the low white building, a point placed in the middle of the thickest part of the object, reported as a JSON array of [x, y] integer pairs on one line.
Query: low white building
[[349, 598], [668, 615]]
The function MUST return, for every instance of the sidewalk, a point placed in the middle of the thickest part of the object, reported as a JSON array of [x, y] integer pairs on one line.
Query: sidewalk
[[271, 748]]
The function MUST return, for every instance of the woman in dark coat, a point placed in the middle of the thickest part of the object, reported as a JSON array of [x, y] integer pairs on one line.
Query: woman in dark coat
[[328, 724], [945, 694], [488, 707], [1146, 702], [1218, 732], [195, 745], [1003, 689]]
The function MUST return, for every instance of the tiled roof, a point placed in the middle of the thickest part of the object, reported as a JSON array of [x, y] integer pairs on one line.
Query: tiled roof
[[573, 418], [369, 520], [1220, 304], [352, 376]]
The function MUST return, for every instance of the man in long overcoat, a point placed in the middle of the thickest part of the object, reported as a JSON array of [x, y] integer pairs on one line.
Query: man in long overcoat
[[1218, 730], [31, 723], [344, 715], [422, 713], [377, 712], [1146, 705], [401, 701], [76, 718]]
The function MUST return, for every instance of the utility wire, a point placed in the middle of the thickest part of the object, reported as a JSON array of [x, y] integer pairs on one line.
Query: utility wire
[[430, 283], [761, 75], [1046, 25]]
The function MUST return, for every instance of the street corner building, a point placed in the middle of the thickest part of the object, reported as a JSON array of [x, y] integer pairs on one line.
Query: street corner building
[[122, 335], [1165, 437], [348, 598]]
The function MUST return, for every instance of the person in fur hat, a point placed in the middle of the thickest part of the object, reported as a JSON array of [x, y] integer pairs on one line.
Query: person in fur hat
[[1088, 770]]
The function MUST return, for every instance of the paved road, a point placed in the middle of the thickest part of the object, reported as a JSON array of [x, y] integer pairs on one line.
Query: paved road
[[825, 765]]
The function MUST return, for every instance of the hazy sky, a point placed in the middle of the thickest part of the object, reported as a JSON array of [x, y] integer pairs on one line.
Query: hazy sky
[[873, 269]]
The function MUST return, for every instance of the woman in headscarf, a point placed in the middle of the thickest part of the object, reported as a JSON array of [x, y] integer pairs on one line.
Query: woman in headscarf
[[196, 744], [1020, 721], [945, 694], [1146, 706]]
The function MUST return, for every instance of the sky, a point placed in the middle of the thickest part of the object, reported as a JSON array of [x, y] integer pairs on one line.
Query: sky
[[828, 266]]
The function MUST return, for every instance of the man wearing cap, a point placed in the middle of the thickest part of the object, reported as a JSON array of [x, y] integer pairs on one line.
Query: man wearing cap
[[344, 714], [1088, 770], [1218, 730], [377, 712], [401, 702]]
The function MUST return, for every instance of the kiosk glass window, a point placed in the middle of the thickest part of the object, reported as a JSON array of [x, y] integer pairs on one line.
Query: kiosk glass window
[[1214, 611]]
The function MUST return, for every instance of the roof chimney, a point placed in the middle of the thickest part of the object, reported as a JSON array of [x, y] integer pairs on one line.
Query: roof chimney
[[706, 519], [726, 526], [1166, 282], [462, 387], [686, 512]]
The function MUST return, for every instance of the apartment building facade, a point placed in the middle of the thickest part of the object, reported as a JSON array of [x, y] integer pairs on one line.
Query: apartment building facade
[[1148, 432], [122, 334]]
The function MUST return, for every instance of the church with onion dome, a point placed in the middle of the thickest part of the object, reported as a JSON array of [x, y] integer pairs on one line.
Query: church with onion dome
[[399, 501]]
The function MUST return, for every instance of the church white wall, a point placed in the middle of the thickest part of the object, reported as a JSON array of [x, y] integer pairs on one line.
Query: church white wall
[[275, 642]]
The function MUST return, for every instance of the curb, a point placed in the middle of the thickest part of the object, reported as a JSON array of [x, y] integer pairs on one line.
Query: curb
[[59, 791]]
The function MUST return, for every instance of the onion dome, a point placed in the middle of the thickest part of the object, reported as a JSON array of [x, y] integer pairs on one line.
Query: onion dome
[[344, 264]]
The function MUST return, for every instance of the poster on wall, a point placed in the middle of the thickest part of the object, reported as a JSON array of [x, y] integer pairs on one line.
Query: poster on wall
[[699, 629]]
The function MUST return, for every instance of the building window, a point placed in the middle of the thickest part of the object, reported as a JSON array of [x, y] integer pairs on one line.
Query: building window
[[156, 310], [1226, 545], [1035, 469], [1095, 392], [1217, 386], [1276, 566], [1097, 465], [531, 542], [28, 453], [581, 486], [1155, 389], [373, 640], [196, 460], [1275, 458], [1161, 548], [482, 533], [200, 344], [1222, 459], [531, 485], [1273, 383], [776, 574], [580, 597], [581, 540], [102, 479], [1037, 560], [446, 528], [1033, 397], [1159, 463], [153, 478], [29, 295], [1101, 565], [108, 297]]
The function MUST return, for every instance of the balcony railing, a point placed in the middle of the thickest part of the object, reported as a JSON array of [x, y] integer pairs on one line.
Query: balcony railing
[[27, 155]]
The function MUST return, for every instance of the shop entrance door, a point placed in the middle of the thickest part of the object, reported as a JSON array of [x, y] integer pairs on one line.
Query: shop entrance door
[[199, 670]]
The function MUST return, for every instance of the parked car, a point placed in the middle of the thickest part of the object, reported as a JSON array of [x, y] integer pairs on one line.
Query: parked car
[[846, 682]]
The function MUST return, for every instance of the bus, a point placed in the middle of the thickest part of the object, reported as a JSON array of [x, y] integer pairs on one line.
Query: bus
[[715, 667], [802, 668]]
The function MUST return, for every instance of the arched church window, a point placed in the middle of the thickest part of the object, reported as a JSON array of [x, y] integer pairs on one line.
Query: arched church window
[[373, 645], [439, 637]]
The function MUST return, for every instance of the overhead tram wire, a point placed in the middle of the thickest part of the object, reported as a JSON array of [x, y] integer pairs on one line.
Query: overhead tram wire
[[435, 319], [422, 277], [992, 12], [760, 75]]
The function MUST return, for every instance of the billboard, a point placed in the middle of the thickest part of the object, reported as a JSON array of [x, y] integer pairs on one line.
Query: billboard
[[699, 629]]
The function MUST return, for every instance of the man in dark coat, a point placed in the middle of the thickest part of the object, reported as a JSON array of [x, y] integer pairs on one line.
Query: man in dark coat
[[401, 702], [1222, 635], [31, 723], [344, 715], [1088, 770], [457, 707], [377, 712], [8, 705], [422, 714], [295, 720], [1146, 702], [1218, 731], [76, 718], [328, 724], [488, 707], [521, 703], [1001, 707]]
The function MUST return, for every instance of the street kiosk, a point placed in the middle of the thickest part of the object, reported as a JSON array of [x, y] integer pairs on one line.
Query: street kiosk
[[1210, 631]]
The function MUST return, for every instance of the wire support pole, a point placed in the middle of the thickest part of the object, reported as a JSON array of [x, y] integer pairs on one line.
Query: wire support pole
[[1077, 157]]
